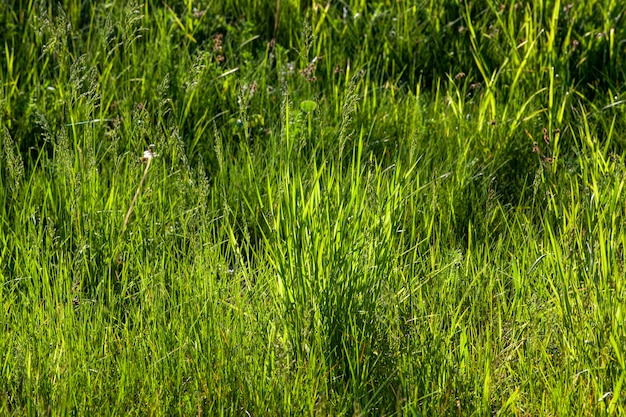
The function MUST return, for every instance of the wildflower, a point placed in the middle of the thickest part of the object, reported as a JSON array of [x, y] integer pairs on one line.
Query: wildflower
[[149, 154]]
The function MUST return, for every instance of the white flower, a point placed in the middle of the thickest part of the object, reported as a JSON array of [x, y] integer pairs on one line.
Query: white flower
[[149, 154]]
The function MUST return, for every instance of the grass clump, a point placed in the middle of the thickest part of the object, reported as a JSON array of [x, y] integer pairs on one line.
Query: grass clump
[[279, 208]]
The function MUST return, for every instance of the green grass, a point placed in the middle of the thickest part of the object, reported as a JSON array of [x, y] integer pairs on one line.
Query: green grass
[[353, 208]]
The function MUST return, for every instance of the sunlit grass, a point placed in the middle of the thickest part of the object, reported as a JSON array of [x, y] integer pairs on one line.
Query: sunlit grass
[[358, 208]]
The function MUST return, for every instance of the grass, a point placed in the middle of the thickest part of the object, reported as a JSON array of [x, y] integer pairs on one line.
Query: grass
[[349, 208]]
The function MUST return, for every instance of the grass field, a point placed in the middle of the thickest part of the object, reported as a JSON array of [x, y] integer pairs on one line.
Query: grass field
[[279, 207]]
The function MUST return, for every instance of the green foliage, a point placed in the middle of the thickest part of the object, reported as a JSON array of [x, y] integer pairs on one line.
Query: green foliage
[[272, 207]]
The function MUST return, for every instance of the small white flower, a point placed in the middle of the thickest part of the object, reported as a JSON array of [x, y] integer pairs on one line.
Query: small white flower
[[149, 154]]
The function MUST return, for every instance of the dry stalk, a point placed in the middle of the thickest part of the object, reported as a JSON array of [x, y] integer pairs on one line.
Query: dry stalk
[[132, 203]]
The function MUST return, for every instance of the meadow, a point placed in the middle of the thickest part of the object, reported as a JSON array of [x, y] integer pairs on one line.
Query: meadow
[[280, 207]]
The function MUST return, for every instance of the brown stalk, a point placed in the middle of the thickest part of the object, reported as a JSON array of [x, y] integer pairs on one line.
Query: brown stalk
[[132, 203]]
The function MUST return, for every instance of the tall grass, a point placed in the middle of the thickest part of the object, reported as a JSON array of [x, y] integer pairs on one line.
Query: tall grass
[[283, 208]]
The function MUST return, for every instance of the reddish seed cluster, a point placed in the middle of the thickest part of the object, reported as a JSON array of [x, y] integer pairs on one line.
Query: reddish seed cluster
[[253, 87], [546, 138], [218, 40], [309, 71], [536, 148], [197, 14]]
